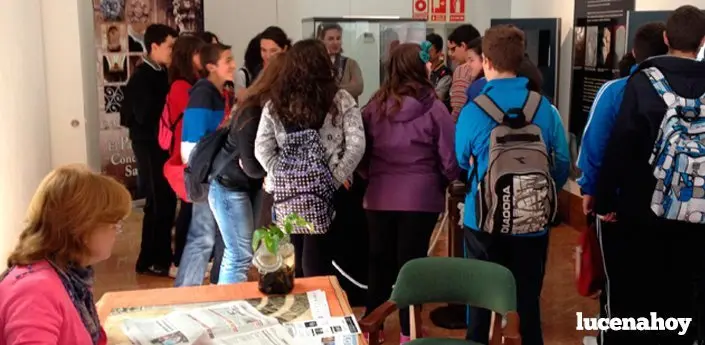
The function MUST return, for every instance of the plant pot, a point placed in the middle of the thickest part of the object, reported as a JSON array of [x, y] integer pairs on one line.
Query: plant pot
[[276, 272]]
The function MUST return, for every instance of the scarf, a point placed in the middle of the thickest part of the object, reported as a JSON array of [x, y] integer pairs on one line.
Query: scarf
[[339, 63], [78, 282]]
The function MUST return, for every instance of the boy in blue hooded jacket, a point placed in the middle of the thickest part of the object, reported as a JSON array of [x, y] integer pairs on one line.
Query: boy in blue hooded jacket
[[523, 255]]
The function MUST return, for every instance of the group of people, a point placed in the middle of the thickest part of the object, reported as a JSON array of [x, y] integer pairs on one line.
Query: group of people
[[643, 167], [298, 141]]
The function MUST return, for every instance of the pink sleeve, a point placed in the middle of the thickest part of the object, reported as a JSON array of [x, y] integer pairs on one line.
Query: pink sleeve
[[33, 318]]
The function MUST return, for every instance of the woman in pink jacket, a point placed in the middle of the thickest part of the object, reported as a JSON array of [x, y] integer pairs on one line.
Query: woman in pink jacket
[[46, 295]]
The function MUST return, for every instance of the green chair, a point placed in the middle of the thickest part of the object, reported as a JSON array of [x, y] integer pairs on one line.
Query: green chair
[[451, 280]]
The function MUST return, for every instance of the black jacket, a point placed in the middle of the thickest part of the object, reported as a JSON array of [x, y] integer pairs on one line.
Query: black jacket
[[243, 173], [145, 95], [626, 182]]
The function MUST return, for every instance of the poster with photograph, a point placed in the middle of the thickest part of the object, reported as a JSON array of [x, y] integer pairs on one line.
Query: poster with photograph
[[599, 42], [119, 41]]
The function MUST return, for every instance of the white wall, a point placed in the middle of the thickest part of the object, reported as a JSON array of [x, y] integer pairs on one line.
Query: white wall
[[660, 5], [26, 149], [236, 26], [70, 67]]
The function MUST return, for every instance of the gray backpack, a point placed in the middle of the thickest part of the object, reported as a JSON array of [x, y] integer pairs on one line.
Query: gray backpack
[[517, 195]]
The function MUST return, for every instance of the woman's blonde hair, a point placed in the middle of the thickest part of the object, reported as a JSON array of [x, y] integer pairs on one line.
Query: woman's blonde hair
[[68, 206]]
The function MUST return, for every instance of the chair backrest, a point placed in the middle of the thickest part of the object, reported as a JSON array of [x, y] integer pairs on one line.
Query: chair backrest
[[456, 280]]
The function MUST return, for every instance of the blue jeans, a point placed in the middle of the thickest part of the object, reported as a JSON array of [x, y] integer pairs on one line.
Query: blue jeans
[[199, 246], [235, 213]]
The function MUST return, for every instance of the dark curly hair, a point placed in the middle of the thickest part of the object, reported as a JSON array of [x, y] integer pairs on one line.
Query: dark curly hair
[[407, 77], [305, 92]]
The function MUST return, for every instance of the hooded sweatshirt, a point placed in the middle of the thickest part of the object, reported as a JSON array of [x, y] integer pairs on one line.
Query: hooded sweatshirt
[[474, 128], [626, 181], [203, 115], [410, 159]]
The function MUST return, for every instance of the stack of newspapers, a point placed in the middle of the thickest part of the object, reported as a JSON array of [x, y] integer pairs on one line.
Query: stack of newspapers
[[239, 322]]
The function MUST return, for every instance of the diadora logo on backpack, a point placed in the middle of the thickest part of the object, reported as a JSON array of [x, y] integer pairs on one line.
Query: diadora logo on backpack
[[506, 209], [520, 159]]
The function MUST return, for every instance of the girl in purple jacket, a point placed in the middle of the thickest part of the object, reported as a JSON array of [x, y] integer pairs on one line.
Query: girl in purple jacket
[[409, 163]]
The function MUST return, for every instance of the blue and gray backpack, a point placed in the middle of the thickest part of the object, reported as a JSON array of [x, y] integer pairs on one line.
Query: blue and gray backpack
[[303, 183], [678, 157]]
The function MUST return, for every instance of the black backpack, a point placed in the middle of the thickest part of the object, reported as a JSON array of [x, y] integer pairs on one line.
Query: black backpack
[[200, 164]]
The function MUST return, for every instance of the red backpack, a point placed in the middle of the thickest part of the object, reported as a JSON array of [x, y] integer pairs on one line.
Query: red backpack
[[167, 128]]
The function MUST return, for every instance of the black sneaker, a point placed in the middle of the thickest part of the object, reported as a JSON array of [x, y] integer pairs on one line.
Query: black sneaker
[[154, 270]]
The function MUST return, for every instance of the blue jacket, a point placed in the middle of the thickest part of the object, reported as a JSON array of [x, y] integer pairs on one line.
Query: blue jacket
[[475, 88], [203, 115], [602, 116], [472, 136]]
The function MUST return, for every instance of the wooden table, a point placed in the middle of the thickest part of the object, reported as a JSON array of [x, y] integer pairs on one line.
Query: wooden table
[[337, 301]]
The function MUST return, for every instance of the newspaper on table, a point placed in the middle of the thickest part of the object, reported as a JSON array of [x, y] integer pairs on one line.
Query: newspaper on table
[[328, 331], [227, 323], [240, 323]]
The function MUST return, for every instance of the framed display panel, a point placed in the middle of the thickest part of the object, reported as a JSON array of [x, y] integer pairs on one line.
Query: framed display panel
[[368, 40], [542, 36]]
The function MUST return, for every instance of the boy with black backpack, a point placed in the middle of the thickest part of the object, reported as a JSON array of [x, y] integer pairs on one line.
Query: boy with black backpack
[[651, 181], [512, 142], [145, 95]]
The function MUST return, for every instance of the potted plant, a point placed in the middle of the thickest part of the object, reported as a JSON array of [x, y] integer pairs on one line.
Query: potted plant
[[274, 255]]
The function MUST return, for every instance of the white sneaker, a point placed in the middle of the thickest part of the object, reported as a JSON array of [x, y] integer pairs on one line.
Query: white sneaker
[[173, 271], [590, 340]]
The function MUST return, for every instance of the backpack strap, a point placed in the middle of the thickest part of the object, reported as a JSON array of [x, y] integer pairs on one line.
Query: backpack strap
[[658, 81], [489, 106], [176, 122], [531, 105], [247, 77]]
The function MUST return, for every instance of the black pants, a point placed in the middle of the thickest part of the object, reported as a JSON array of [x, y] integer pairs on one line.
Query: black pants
[[657, 267], [525, 257], [265, 213], [395, 239], [349, 236], [217, 256], [312, 255], [160, 207]]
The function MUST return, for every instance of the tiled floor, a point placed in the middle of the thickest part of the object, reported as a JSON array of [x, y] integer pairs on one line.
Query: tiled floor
[[559, 301]]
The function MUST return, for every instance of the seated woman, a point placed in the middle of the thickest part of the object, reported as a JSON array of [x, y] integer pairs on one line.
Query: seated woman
[[46, 294]]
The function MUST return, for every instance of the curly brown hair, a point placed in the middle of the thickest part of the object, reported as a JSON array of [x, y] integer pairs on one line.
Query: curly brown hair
[[305, 91], [407, 77]]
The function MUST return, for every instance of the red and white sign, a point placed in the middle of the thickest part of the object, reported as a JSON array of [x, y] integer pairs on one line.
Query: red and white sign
[[439, 10], [457, 11], [420, 9]]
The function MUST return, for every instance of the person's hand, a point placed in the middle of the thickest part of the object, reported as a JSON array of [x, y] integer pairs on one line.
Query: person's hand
[[610, 217], [588, 203], [429, 68], [347, 184]]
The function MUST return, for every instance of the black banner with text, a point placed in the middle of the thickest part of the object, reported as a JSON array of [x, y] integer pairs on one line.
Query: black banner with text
[[599, 42]]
